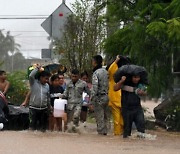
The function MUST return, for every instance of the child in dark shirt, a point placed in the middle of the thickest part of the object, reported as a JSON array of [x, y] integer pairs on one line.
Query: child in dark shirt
[[55, 92], [131, 104], [55, 89]]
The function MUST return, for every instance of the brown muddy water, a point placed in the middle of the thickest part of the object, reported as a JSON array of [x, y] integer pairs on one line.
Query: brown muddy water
[[88, 142], [28, 142]]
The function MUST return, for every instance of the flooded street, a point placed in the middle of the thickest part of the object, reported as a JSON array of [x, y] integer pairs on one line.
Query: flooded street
[[28, 142], [21, 142], [63, 61]]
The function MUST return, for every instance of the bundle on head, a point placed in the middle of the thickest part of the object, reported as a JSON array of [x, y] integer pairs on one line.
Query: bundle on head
[[131, 70], [55, 68], [123, 61]]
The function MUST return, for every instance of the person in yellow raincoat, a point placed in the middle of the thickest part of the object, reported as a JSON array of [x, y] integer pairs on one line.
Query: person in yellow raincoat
[[115, 99]]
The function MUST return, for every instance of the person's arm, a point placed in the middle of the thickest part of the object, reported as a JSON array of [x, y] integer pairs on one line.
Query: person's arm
[[6, 87], [94, 91], [119, 84], [26, 101], [95, 83], [34, 72], [86, 89], [113, 67], [32, 76], [65, 95], [49, 102]]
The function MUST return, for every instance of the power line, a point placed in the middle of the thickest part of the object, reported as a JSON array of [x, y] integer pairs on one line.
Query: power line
[[25, 15], [32, 36], [26, 31], [22, 18]]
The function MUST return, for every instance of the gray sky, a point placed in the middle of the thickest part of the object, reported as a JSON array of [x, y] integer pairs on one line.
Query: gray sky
[[28, 33]]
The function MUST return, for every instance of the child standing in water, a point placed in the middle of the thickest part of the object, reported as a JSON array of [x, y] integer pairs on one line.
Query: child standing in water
[[55, 92], [86, 98]]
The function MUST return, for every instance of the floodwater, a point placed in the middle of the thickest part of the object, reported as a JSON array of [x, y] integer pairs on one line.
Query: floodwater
[[28, 142], [88, 142]]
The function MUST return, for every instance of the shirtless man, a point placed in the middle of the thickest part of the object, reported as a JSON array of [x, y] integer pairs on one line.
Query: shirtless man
[[4, 84]]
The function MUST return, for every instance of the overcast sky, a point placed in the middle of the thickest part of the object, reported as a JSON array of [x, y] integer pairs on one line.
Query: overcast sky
[[28, 33]]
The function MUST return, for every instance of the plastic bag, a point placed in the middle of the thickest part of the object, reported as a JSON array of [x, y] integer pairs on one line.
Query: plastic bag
[[129, 71]]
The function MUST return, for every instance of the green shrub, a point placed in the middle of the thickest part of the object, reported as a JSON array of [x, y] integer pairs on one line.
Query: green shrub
[[18, 87]]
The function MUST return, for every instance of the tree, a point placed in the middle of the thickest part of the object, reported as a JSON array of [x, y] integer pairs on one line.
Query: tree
[[150, 35], [83, 35], [18, 87], [17, 62], [7, 44]]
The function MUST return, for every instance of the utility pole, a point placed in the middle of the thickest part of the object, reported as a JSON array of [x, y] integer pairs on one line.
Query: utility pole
[[12, 62]]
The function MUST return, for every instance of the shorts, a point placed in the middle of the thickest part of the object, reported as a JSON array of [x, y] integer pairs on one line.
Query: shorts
[[84, 108], [65, 108]]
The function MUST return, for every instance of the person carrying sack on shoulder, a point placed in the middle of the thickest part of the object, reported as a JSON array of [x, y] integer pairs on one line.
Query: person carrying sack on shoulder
[[131, 103]]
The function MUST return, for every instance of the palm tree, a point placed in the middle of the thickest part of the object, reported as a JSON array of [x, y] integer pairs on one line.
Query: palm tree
[[7, 44]]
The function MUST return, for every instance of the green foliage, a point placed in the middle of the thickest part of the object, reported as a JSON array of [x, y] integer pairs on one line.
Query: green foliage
[[18, 87], [169, 28], [156, 28], [83, 35], [150, 35], [1, 63], [173, 9], [117, 42], [174, 30]]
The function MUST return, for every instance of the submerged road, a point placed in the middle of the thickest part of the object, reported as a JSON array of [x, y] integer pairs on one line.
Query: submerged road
[[28, 142]]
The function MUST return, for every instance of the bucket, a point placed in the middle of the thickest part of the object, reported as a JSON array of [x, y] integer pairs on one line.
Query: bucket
[[59, 107]]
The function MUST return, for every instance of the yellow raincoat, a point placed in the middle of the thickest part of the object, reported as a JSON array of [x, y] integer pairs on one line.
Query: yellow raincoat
[[115, 101]]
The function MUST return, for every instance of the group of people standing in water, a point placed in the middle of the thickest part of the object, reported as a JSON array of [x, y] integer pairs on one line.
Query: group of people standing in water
[[103, 96]]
